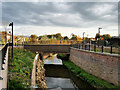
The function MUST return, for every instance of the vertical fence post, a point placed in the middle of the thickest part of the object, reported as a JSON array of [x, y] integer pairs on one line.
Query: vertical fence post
[[85, 47], [111, 49], [94, 48], [82, 46], [79, 46], [89, 47], [102, 49]]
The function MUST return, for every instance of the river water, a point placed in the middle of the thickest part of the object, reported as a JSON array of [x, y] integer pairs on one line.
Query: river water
[[58, 76], [53, 60]]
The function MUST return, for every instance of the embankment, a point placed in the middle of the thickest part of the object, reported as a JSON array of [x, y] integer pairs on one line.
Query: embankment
[[104, 66]]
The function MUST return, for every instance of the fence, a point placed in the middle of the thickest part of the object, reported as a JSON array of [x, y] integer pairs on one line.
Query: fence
[[96, 48], [3, 66], [52, 42], [2, 56]]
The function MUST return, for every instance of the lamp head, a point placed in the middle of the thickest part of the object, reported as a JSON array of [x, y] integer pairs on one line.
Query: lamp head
[[100, 28], [11, 24]]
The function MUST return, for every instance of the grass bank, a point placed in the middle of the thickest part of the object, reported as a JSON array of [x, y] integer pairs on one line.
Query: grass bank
[[63, 56], [92, 80], [19, 69]]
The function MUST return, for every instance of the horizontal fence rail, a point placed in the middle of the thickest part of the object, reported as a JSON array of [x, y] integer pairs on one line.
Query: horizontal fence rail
[[43, 42], [96, 48]]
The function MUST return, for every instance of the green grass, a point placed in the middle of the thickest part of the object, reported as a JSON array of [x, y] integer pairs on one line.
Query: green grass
[[19, 69], [92, 80], [63, 56]]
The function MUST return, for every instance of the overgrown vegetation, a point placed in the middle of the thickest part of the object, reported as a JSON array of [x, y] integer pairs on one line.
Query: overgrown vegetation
[[19, 69], [92, 80], [63, 56]]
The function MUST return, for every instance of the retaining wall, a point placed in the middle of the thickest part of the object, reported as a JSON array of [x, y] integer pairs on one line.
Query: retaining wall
[[105, 66]]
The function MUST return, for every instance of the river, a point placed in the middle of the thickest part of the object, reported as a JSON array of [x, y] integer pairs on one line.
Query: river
[[58, 76]]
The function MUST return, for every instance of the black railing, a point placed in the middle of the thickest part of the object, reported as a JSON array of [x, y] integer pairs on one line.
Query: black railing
[[96, 48], [2, 56]]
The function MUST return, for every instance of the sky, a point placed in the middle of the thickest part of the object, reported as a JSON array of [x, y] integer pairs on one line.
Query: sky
[[62, 17]]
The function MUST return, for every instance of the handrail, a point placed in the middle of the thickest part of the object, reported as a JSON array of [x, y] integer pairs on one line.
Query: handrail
[[96, 48], [2, 56]]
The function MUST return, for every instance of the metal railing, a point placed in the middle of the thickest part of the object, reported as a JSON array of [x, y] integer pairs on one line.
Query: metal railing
[[50, 42], [96, 48], [2, 56]]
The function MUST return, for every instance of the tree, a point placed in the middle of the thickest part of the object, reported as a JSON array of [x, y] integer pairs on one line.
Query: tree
[[74, 38], [106, 36], [97, 36], [58, 36], [40, 37], [66, 38], [49, 36], [33, 37]]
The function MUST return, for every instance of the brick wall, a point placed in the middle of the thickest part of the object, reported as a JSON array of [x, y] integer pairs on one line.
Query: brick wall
[[105, 66]]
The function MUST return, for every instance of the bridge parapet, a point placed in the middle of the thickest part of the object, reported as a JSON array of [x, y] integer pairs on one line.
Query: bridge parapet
[[3, 66], [50, 48]]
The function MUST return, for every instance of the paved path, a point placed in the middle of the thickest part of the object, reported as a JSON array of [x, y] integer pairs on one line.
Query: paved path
[[33, 77]]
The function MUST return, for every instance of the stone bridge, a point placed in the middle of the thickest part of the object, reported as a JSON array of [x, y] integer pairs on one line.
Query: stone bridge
[[58, 48]]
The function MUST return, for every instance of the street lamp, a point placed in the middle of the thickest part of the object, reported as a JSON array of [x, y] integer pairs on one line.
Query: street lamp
[[99, 30], [83, 37], [11, 24], [10, 36], [99, 34]]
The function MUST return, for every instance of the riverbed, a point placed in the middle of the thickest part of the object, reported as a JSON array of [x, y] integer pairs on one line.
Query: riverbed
[[58, 76]]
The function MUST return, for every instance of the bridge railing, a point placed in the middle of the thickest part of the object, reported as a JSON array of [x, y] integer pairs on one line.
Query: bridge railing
[[45, 42], [96, 48], [3, 66], [2, 56]]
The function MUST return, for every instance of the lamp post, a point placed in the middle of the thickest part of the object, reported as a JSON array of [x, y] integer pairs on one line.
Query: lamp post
[[99, 30], [11, 24], [99, 34], [10, 36], [83, 37]]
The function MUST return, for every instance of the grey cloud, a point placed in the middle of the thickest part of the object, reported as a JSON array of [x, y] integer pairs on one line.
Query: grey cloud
[[73, 14]]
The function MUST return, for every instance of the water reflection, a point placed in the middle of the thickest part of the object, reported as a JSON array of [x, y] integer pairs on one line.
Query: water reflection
[[59, 82], [53, 60], [60, 78]]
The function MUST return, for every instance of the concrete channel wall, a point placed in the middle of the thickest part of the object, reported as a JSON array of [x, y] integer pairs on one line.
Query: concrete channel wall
[[38, 73], [105, 66], [33, 76]]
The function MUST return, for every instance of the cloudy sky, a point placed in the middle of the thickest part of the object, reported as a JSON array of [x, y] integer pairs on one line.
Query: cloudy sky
[[62, 17]]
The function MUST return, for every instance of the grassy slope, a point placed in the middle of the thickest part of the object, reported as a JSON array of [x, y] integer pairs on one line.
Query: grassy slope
[[20, 68], [94, 81]]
